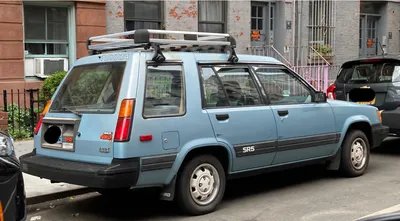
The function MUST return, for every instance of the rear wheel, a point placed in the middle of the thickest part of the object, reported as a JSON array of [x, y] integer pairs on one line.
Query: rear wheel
[[201, 185], [355, 154]]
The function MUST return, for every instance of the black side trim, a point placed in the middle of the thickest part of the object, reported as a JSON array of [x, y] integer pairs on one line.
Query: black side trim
[[158, 162], [309, 141], [250, 149], [276, 168]]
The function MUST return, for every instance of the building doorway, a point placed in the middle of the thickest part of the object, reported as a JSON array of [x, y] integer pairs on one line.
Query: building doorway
[[369, 40], [262, 23]]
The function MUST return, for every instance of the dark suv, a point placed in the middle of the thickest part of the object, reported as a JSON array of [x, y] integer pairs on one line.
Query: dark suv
[[372, 81], [12, 193]]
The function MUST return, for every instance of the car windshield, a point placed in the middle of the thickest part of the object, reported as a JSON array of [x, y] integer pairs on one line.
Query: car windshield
[[380, 71], [90, 88]]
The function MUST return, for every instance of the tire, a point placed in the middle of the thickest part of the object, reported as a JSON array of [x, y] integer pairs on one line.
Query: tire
[[204, 165], [355, 154]]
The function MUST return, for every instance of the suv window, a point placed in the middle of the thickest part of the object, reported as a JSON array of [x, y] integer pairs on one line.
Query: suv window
[[229, 86], [90, 88], [373, 71], [282, 87], [165, 91]]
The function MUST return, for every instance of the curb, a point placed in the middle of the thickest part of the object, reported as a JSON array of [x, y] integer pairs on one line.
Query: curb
[[57, 195]]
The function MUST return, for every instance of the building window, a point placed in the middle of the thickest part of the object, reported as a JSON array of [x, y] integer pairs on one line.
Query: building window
[[212, 16], [257, 17], [321, 25], [46, 30], [142, 15]]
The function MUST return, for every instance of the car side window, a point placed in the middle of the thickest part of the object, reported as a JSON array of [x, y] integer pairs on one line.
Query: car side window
[[214, 94], [282, 87], [229, 86], [165, 91]]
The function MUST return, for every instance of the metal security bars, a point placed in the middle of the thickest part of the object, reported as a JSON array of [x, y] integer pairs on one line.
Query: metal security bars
[[322, 17], [147, 39]]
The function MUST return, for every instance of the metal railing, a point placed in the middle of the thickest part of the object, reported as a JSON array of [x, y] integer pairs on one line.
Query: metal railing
[[304, 60], [23, 108]]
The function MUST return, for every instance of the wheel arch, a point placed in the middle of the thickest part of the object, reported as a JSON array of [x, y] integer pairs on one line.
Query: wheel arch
[[218, 149], [353, 123], [358, 122]]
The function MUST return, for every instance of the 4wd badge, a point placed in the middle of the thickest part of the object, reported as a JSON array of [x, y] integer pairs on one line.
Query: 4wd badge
[[104, 150]]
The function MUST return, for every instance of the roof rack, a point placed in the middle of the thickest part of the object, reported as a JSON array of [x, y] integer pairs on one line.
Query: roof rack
[[146, 39]]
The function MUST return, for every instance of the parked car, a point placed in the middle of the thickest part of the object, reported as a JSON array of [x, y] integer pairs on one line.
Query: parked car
[[12, 194], [188, 121], [371, 81]]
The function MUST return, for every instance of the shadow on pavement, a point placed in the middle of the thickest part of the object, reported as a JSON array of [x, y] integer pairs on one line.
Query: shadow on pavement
[[144, 204], [391, 146]]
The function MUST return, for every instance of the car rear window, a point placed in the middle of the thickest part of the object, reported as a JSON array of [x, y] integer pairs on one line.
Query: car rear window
[[90, 88], [374, 71]]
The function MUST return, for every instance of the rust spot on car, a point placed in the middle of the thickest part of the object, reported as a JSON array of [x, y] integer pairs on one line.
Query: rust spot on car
[[237, 18]]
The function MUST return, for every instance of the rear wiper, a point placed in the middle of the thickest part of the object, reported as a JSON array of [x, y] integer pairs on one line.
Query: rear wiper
[[72, 111]]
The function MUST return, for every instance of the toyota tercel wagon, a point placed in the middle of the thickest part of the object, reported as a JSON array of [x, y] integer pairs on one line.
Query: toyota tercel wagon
[[186, 113]]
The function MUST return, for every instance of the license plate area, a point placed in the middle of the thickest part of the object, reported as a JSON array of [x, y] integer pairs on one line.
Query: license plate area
[[59, 134], [362, 96]]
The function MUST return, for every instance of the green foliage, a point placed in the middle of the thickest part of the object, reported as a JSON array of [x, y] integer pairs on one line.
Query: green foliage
[[88, 88], [51, 83], [19, 122]]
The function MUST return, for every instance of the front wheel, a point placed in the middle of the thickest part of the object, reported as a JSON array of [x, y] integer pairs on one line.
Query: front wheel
[[355, 154], [201, 185]]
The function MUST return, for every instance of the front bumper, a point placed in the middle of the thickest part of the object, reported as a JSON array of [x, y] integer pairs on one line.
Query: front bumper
[[379, 132], [120, 173], [392, 120]]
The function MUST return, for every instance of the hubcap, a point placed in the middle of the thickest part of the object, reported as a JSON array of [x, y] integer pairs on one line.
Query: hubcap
[[204, 184], [358, 153]]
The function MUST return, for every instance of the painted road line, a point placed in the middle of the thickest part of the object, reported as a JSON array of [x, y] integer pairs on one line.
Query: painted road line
[[392, 209]]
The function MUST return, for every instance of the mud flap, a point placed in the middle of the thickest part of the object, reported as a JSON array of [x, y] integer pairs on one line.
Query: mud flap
[[168, 191], [335, 163]]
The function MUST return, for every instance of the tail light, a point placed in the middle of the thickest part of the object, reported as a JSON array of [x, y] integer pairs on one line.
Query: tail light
[[39, 124], [330, 92], [124, 122], [1, 212]]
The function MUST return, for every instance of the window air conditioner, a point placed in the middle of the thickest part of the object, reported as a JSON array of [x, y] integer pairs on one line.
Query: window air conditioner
[[44, 67]]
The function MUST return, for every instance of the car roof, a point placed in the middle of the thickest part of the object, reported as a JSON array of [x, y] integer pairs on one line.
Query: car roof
[[173, 56], [373, 58]]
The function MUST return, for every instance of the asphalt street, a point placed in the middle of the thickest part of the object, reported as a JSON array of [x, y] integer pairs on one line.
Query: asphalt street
[[305, 194]]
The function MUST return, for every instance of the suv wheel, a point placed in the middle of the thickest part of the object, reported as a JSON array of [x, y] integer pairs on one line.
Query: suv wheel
[[355, 154], [201, 185]]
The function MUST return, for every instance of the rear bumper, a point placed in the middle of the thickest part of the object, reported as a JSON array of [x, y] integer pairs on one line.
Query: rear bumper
[[120, 173], [379, 133], [392, 120]]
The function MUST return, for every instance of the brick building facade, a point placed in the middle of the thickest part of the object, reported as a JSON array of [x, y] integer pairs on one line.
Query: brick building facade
[[48, 34], [45, 36]]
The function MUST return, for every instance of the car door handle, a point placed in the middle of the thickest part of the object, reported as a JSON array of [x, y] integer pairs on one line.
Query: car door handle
[[222, 116], [283, 113]]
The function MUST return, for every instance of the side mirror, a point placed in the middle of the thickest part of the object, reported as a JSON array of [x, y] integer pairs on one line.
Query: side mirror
[[320, 97]]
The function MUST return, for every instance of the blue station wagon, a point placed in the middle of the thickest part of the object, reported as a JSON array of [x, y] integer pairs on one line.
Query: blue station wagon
[[186, 114]]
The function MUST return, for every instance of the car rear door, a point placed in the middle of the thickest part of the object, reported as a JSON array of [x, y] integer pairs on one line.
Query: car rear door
[[239, 115], [81, 122]]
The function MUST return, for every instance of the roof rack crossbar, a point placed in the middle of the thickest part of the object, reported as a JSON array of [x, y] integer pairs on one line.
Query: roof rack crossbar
[[144, 39]]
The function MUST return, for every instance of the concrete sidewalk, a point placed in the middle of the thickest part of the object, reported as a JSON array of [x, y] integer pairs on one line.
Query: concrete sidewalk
[[38, 189]]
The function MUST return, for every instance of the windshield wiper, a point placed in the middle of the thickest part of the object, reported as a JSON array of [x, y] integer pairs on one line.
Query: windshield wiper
[[72, 111]]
